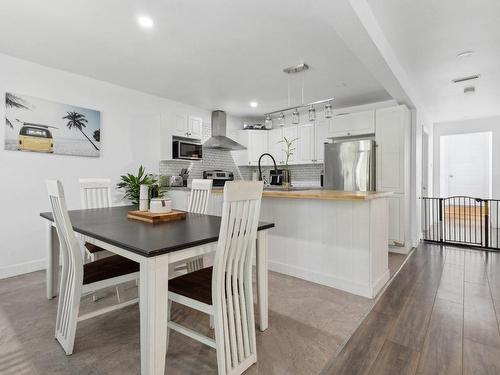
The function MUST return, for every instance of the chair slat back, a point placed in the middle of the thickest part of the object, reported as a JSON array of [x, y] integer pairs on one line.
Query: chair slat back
[[200, 196], [95, 192], [72, 257], [232, 272]]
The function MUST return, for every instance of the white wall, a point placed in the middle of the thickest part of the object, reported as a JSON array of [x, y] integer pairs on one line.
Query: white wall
[[129, 137], [490, 124], [420, 123]]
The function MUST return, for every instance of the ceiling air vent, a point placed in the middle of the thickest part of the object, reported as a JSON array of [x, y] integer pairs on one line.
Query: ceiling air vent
[[469, 90], [464, 79]]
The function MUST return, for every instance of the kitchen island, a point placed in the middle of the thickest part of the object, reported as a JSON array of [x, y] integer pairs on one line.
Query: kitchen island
[[334, 238]]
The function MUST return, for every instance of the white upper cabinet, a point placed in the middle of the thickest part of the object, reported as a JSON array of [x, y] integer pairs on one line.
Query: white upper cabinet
[[195, 127], [179, 125], [187, 126], [290, 133], [393, 143], [240, 157], [321, 133], [257, 145], [165, 137], [275, 136], [353, 124], [305, 144]]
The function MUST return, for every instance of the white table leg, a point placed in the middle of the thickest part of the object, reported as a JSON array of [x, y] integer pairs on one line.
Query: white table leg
[[262, 282], [52, 253], [153, 309]]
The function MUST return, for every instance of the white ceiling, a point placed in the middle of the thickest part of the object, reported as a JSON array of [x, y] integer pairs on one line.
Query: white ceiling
[[218, 54], [427, 35]]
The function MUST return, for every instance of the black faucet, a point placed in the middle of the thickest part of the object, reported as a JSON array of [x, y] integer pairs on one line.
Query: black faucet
[[274, 162]]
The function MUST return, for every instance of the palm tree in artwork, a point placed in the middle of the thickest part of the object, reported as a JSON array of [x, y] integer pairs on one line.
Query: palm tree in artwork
[[13, 101], [77, 121]]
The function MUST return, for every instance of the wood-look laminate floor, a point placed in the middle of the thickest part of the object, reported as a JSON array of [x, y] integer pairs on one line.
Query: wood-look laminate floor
[[307, 324], [440, 315]]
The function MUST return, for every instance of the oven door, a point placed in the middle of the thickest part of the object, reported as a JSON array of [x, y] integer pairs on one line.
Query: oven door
[[187, 150]]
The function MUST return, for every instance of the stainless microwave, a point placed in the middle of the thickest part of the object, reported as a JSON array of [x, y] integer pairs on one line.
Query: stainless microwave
[[188, 150]]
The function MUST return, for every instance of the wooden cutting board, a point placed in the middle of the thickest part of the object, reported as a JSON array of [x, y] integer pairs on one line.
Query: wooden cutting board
[[151, 218]]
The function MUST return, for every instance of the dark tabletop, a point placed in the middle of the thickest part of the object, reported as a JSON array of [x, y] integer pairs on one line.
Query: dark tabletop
[[112, 226]]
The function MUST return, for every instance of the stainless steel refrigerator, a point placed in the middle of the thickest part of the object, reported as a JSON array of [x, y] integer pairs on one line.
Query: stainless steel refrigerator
[[350, 165]]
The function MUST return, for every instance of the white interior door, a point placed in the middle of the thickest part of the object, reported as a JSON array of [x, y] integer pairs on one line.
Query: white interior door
[[465, 164]]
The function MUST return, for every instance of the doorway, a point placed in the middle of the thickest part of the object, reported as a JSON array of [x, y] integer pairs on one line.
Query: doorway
[[465, 165]]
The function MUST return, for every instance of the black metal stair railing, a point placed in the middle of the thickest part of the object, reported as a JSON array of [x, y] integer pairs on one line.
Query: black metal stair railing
[[461, 220]]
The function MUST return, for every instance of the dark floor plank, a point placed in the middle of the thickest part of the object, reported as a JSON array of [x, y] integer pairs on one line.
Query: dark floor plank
[[442, 351], [363, 348], [475, 267], [451, 287], [397, 294], [454, 256], [395, 359], [493, 274], [480, 322], [446, 307], [411, 327], [480, 359]]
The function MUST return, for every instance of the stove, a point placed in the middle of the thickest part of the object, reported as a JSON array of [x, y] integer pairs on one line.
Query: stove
[[218, 176]]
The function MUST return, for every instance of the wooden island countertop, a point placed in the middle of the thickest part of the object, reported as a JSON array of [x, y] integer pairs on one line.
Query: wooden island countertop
[[321, 194]]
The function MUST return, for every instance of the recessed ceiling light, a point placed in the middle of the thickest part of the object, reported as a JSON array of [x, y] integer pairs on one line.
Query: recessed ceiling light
[[465, 54], [254, 104], [145, 21]]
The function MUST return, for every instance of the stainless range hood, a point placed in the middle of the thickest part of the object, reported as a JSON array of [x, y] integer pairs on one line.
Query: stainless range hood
[[218, 139]]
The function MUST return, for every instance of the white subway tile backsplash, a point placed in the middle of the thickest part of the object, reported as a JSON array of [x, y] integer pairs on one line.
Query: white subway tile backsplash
[[306, 174], [212, 159]]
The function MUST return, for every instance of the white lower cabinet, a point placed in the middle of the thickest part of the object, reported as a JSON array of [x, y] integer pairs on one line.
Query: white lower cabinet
[[215, 204], [180, 198], [180, 201], [396, 219]]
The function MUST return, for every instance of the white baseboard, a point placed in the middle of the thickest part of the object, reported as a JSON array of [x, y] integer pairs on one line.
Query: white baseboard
[[22, 268], [329, 280], [379, 284]]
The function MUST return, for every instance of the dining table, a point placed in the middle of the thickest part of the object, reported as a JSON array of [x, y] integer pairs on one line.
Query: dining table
[[154, 247]]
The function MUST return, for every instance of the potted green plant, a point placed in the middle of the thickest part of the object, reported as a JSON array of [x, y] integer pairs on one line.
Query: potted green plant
[[288, 151], [130, 184]]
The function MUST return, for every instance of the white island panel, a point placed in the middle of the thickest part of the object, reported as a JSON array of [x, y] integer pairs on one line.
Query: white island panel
[[342, 244]]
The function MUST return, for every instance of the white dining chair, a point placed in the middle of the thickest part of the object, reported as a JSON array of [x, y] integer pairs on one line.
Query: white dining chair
[[95, 193], [224, 291], [198, 204], [79, 279]]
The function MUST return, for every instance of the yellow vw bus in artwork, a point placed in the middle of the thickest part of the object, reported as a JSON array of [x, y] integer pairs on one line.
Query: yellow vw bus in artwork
[[34, 137]]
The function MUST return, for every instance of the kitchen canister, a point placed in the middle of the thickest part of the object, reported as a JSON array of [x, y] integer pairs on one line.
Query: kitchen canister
[[143, 197], [160, 206]]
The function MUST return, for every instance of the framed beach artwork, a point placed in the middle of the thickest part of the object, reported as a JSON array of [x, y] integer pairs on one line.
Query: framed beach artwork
[[44, 126]]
